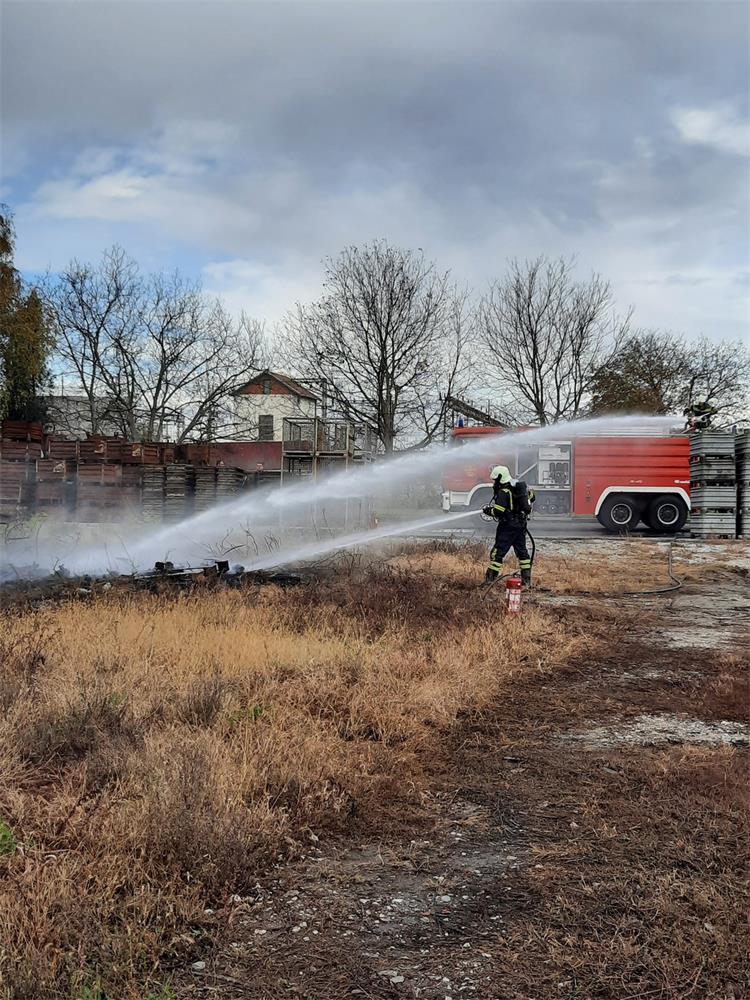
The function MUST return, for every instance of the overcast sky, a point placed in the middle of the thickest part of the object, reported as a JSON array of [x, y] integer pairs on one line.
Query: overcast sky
[[245, 141]]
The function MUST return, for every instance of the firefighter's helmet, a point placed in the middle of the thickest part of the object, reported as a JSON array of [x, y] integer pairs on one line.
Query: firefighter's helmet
[[501, 472]]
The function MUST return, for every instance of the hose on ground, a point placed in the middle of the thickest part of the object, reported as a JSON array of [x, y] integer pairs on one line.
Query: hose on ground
[[675, 585]]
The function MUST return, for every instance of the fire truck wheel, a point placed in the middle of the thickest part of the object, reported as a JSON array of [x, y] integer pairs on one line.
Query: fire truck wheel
[[480, 499], [619, 513], [667, 513]]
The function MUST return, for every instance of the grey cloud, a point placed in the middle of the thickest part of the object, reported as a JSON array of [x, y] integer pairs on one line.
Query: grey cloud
[[270, 133], [452, 79]]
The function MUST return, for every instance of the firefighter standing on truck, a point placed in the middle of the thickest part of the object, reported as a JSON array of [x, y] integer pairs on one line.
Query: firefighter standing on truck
[[699, 416], [511, 506]]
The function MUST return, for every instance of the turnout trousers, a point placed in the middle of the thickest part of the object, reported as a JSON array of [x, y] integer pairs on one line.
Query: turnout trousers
[[509, 535]]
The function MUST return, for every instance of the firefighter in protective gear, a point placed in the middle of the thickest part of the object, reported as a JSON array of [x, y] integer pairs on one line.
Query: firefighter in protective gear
[[699, 416], [511, 507]]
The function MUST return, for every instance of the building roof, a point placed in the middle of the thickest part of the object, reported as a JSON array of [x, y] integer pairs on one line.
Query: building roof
[[296, 388]]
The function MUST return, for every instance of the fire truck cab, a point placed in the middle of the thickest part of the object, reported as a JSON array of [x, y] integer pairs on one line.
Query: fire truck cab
[[619, 480]]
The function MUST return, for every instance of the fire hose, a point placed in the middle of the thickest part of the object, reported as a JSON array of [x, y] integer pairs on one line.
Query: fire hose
[[675, 585]]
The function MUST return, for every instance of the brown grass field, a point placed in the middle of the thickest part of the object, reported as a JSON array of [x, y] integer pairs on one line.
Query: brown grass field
[[161, 752]]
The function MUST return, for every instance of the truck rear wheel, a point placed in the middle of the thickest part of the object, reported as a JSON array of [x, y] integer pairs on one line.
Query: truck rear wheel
[[667, 513], [619, 513]]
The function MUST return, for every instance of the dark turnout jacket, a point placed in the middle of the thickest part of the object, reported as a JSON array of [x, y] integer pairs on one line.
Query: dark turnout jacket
[[512, 502]]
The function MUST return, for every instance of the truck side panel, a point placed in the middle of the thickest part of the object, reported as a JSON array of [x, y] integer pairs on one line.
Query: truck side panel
[[639, 462]]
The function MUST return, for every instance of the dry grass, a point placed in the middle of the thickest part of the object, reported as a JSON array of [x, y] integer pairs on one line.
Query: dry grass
[[728, 694], [609, 566], [627, 565], [638, 883], [159, 751]]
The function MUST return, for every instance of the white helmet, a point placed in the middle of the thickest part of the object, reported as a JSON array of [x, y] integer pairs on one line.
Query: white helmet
[[501, 472]]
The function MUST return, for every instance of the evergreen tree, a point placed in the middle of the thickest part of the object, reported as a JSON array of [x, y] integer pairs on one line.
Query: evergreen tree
[[25, 340]]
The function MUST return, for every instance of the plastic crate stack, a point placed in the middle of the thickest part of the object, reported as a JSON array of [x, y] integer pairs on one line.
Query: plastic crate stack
[[713, 493], [742, 466]]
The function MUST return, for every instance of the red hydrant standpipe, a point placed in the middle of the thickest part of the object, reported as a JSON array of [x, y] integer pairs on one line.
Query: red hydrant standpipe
[[513, 595]]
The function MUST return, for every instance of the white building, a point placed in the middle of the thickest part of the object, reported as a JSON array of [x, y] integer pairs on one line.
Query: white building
[[263, 403], [69, 417]]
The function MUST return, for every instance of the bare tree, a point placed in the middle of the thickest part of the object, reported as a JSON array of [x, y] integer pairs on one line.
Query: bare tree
[[544, 335], [389, 335], [148, 352], [90, 309], [658, 372], [718, 373]]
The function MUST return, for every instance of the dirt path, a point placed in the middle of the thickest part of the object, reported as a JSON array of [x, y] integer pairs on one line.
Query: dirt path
[[587, 841]]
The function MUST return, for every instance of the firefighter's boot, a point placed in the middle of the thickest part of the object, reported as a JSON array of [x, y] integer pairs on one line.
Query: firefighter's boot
[[490, 576], [526, 577]]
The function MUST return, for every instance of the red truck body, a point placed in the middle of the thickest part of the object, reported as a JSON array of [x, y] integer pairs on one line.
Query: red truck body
[[636, 465], [620, 480]]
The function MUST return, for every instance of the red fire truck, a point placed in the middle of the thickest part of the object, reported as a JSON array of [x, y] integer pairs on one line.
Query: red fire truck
[[619, 480]]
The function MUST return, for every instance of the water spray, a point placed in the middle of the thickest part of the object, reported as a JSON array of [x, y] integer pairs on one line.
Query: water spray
[[315, 550], [198, 537]]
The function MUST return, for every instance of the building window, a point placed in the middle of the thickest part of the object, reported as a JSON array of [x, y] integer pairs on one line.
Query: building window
[[265, 427], [267, 387]]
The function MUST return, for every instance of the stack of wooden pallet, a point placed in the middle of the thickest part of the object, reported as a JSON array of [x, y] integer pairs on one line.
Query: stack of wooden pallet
[[179, 486], [140, 453], [55, 485], [132, 476], [97, 449], [104, 478], [229, 482], [20, 451], [193, 454], [205, 487], [20, 447], [16, 489], [152, 492], [58, 448], [99, 492]]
